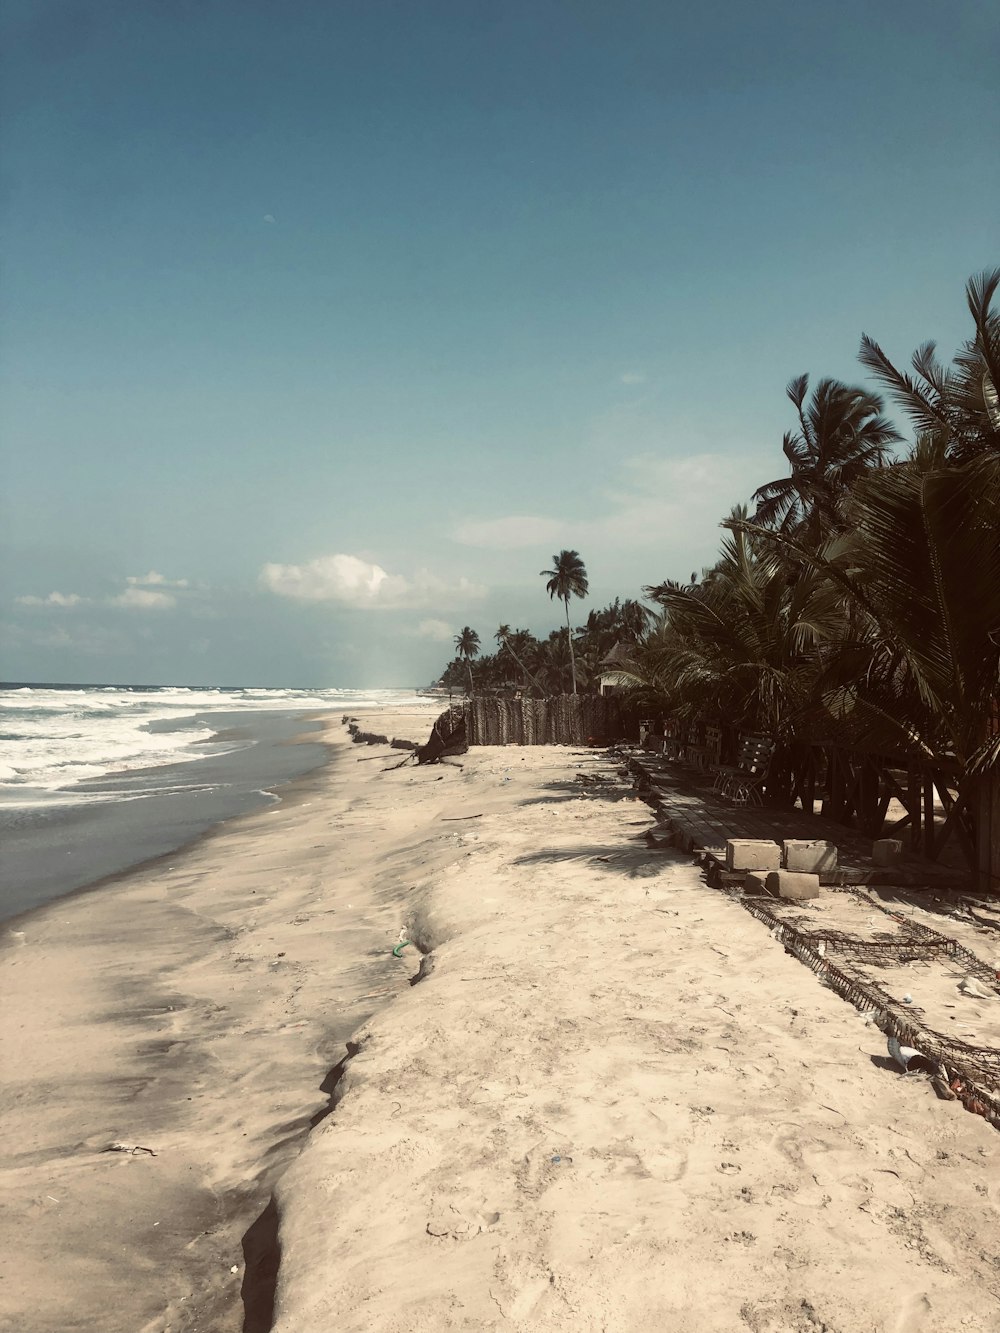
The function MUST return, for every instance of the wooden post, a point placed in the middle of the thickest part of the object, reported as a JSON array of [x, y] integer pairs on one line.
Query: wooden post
[[928, 780], [867, 795], [988, 834], [913, 805]]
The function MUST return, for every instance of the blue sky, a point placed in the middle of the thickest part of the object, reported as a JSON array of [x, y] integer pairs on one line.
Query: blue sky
[[325, 325]]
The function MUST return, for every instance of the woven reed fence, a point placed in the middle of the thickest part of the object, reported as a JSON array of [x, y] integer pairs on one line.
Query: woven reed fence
[[566, 719]]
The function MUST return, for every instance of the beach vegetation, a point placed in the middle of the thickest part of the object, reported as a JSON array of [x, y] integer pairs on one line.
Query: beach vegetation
[[567, 578], [467, 644], [855, 600]]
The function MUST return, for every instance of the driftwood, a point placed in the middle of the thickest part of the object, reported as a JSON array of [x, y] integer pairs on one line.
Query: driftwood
[[447, 738], [360, 737]]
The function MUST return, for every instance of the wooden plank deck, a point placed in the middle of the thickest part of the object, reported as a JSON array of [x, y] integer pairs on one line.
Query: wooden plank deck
[[699, 821]]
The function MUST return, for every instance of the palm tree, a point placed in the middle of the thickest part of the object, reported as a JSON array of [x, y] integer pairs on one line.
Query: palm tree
[[841, 434], [467, 643], [567, 578], [956, 408], [743, 645], [512, 640], [919, 667]]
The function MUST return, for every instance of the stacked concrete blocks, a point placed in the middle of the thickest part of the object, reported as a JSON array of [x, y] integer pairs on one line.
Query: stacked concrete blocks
[[795, 885], [887, 851], [812, 856], [752, 854]]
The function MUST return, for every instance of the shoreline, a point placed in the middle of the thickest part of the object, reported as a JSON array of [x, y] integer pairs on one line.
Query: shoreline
[[613, 1102], [285, 791], [174, 819], [194, 1006]]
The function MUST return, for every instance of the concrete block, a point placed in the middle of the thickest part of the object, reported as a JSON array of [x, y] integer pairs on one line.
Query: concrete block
[[755, 882], [812, 855], [752, 854], [887, 851], [793, 884]]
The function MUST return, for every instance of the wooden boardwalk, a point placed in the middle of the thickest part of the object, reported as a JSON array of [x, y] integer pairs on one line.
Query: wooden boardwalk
[[699, 821]]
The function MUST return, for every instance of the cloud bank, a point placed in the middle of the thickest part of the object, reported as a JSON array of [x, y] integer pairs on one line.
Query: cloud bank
[[154, 580], [143, 599], [60, 599], [351, 581], [143, 592]]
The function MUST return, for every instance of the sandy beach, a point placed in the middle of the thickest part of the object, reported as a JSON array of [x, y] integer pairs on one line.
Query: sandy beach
[[192, 1008], [613, 1101]]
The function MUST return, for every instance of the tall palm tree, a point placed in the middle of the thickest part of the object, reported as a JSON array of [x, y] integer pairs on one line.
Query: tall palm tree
[[567, 578], [467, 644], [841, 434]]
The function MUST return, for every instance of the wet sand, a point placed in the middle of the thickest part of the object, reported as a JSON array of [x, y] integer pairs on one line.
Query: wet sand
[[106, 826], [193, 1009]]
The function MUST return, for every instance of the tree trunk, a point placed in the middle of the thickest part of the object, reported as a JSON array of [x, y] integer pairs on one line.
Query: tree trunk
[[527, 673], [468, 667], [569, 640]]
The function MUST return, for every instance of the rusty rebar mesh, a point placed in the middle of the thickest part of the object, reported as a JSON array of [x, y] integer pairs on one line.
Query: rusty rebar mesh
[[973, 1071]]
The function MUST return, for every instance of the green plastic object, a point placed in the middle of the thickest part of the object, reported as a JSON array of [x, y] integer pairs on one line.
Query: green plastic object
[[395, 952]]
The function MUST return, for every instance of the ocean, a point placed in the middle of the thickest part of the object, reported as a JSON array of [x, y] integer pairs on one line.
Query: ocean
[[95, 779]]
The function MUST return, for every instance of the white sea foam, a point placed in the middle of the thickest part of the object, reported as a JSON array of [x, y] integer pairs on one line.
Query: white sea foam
[[54, 739]]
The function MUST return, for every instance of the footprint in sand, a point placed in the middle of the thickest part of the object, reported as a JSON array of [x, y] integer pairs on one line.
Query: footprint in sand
[[461, 1221], [913, 1314]]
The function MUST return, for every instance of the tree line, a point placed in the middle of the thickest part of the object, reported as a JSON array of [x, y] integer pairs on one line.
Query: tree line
[[855, 598]]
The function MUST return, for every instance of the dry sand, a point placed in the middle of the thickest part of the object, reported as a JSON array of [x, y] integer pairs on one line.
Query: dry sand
[[615, 1103]]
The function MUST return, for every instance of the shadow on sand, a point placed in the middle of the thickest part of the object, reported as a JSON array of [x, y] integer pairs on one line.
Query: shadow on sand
[[635, 862]]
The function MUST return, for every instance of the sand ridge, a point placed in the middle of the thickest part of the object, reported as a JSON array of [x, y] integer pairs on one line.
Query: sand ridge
[[617, 1104]]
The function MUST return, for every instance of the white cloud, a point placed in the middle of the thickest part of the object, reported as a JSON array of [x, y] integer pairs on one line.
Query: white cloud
[[632, 377], [510, 533], [143, 599], [268, 217], [355, 582], [438, 630], [61, 599], [154, 580]]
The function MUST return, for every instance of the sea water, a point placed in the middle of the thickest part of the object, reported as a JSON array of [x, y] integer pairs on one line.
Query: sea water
[[96, 778]]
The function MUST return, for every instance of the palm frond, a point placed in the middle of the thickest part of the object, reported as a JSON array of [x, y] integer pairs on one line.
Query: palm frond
[[915, 402]]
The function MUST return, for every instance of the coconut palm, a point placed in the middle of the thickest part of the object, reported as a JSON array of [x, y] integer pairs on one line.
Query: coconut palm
[[566, 579], [957, 408], [514, 640], [919, 670], [743, 645], [841, 434], [467, 644]]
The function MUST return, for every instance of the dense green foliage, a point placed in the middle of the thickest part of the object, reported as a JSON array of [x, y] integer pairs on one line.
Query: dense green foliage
[[855, 599]]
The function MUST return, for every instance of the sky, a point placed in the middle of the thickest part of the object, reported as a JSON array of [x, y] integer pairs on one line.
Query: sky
[[325, 325]]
